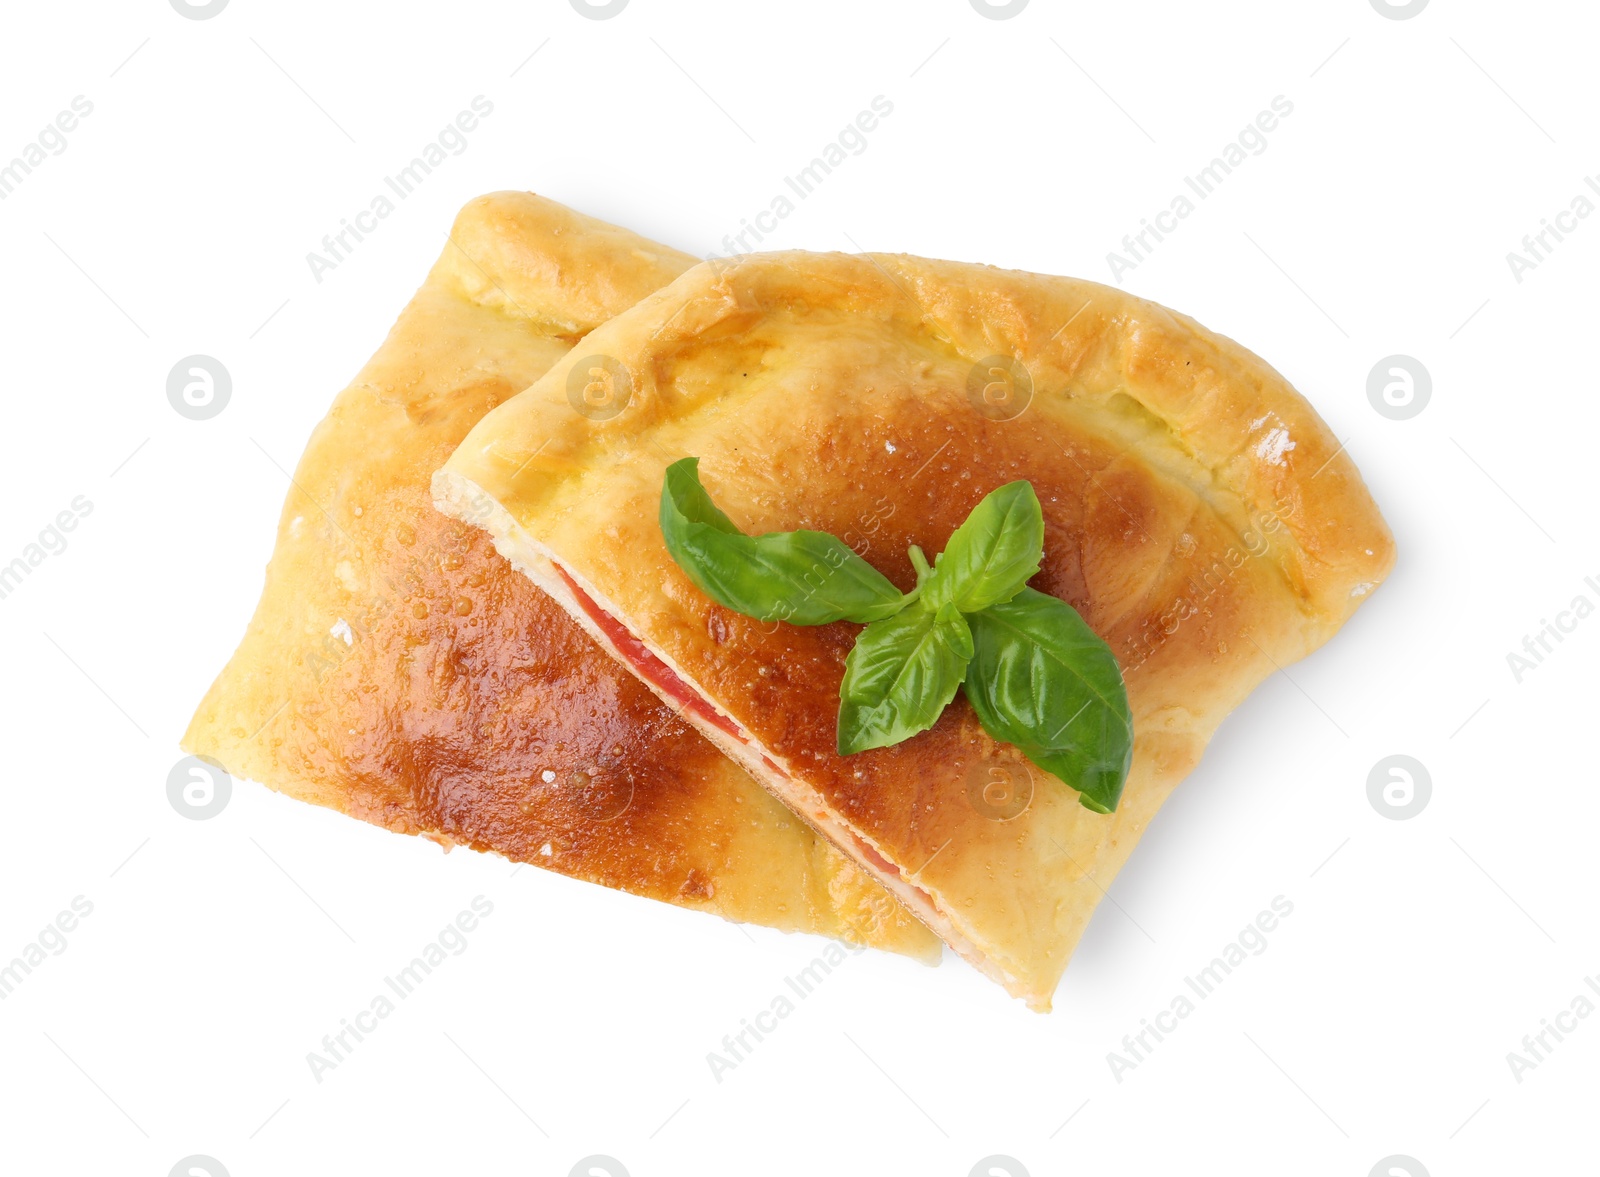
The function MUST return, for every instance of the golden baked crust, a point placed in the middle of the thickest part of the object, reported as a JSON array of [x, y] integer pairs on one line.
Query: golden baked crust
[[400, 671], [1197, 513]]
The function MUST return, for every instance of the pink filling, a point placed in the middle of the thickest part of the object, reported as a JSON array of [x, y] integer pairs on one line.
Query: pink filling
[[655, 671], [651, 668]]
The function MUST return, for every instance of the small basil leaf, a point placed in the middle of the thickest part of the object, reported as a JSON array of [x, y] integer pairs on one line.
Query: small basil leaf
[[802, 577], [993, 554], [901, 675], [1040, 679]]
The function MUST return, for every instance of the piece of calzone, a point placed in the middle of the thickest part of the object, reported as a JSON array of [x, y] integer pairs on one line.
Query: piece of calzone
[[398, 670], [1197, 513]]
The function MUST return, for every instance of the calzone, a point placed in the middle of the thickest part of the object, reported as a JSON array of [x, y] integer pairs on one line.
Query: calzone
[[1198, 514], [398, 670]]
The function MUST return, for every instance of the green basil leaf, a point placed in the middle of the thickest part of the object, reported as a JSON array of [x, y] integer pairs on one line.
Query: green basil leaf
[[802, 577], [993, 554], [901, 675], [1042, 680]]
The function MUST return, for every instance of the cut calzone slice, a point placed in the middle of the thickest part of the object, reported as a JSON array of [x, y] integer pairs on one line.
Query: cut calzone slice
[[400, 671], [1197, 513]]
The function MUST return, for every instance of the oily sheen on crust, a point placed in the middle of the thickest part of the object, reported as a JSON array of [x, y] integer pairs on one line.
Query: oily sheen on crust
[[1197, 513], [398, 670]]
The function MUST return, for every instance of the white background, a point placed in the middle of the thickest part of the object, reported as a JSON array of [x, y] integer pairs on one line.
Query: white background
[[1377, 221]]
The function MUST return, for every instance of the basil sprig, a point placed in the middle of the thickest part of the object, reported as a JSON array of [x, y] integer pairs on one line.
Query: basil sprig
[[1036, 675]]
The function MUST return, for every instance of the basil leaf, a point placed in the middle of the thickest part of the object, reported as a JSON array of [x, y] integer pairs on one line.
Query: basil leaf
[[1042, 680], [901, 675], [802, 577], [993, 554]]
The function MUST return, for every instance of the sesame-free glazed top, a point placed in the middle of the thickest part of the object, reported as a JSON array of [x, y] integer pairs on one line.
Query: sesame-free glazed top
[[399, 670], [1197, 513]]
